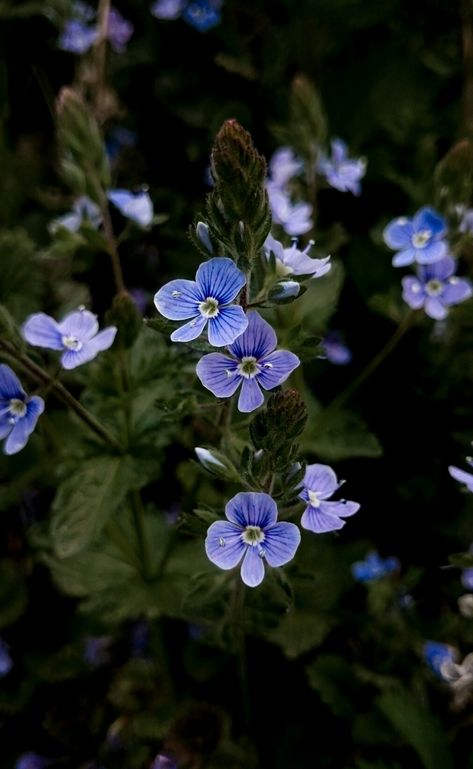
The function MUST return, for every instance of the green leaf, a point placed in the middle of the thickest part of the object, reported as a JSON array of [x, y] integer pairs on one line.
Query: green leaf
[[13, 595], [462, 560], [344, 435], [300, 631]]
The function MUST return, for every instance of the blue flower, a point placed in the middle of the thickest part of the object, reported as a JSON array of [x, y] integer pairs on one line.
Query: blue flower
[[206, 300], [440, 658], [436, 288], [374, 567], [335, 349], [284, 166], [163, 761], [118, 139], [18, 412], [420, 239], [77, 335], [253, 364], [136, 206], [83, 210], [31, 761], [292, 261], [462, 476], [202, 15], [320, 515], [168, 9], [294, 218], [119, 30], [6, 662], [467, 578], [80, 34], [253, 534], [341, 172], [77, 37]]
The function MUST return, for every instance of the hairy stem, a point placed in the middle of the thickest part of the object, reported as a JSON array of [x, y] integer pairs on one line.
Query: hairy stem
[[101, 51]]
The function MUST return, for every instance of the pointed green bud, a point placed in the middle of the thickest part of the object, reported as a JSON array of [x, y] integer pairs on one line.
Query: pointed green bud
[[124, 314], [216, 463]]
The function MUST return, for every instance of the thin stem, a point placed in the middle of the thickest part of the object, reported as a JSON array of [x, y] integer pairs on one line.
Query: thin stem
[[112, 246], [467, 42], [237, 610], [101, 50], [61, 393]]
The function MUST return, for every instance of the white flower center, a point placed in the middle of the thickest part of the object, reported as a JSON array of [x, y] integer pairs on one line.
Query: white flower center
[[17, 408], [248, 367], [313, 499], [71, 343], [434, 287], [253, 535], [209, 308], [421, 238]]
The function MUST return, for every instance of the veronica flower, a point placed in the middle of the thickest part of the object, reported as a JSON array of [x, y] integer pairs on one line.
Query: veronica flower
[[252, 364], [374, 567], [31, 761], [168, 9], [420, 239], [467, 578], [436, 288], [440, 658], [466, 222], [202, 14], [79, 34], [136, 206], [320, 515], [341, 172], [462, 476], [284, 165], [83, 210], [77, 37], [292, 261], [208, 299], [251, 533], [335, 349], [119, 30], [294, 218], [77, 335], [19, 413], [6, 662]]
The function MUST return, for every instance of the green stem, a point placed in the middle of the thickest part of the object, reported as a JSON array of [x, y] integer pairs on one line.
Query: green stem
[[237, 615], [101, 51]]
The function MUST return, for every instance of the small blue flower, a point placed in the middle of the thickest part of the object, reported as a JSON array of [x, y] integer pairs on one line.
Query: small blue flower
[[440, 658], [18, 412], [462, 476], [31, 761], [253, 364], [467, 578], [77, 37], [436, 288], [208, 299], [292, 261], [77, 335], [6, 662], [374, 567], [284, 166], [136, 206], [168, 9], [335, 349], [119, 30], [83, 210], [163, 761], [80, 34], [253, 534], [341, 172], [119, 138], [320, 515], [202, 14], [294, 218], [420, 239]]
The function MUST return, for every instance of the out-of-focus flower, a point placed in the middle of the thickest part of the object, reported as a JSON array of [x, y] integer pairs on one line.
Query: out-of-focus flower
[[342, 172], [77, 335], [136, 206], [168, 9], [208, 299], [436, 288], [119, 30], [335, 349], [163, 761], [440, 658], [292, 261], [80, 32], [118, 139], [420, 239], [253, 534], [465, 604], [294, 218], [200, 14], [96, 650], [467, 578], [18, 412], [6, 662], [77, 37], [253, 364], [466, 479], [140, 298], [374, 567], [284, 166], [31, 761], [320, 515], [83, 210]]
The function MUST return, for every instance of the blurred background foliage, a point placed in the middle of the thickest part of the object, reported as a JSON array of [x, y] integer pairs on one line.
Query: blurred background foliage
[[113, 663]]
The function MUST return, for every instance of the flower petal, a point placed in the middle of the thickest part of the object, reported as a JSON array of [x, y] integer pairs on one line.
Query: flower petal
[[462, 476], [20, 433], [280, 543], [342, 509], [220, 278], [428, 219], [102, 341], [405, 257], [321, 479], [258, 340], [251, 396], [434, 308], [41, 330], [434, 252], [10, 385], [275, 368], [227, 326], [440, 270], [252, 568], [315, 520], [178, 299], [224, 545], [80, 324], [457, 290], [190, 330], [218, 373], [252, 508], [398, 233], [413, 292]]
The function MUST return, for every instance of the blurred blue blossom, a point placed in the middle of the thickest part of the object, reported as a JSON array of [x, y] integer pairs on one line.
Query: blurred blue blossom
[[462, 476], [342, 172], [6, 662], [320, 515], [294, 218], [77, 335], [83, 210], [200, 14], [18, 412], [141, 298], [467, 577], [163, 761], [119, 30], [80, 32], [335, 349], [31, 761], [208, 299], [284, 166], [440, 658], [118, 139], [253, 534], [420, 239], [436, 288], [254, 364], [374, 567], [292, 261], [77, 37], [136, 206]]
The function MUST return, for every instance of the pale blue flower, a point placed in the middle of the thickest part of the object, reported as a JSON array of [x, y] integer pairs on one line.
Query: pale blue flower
[[335, 349], [203, 14], [19, 413], [293, 261], [284, 166], [168, 9], [436, 288], [136, 206], [77, 37], [374, 567], [321, 515], [294, 218], [420, 239], [119, 30], [341, 172], [6, 662], [83, 210], [31, 761], [466, 479]]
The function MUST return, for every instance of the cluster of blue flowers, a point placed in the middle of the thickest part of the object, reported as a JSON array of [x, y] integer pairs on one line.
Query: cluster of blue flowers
[[134, 205], [200, 14], [80, 31], [422, 241]]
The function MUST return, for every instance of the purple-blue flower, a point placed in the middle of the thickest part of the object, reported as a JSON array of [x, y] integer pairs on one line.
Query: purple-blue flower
[[203, 14], [6, 662], [292, 261], [119, 30], [321, 515], [162, 761], [253, 534], [253, 363], [18, 412], [77, 335], [31, 761], [284, 166], [420, 239], [136, 206], [462, 476], [335, 349], [77, 37], [440, 658], [168, 9], [294, 218], [83, 210], [374, 567], [467, 578], [341, 172], [435, 288], [208, 299], [80, 33]]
